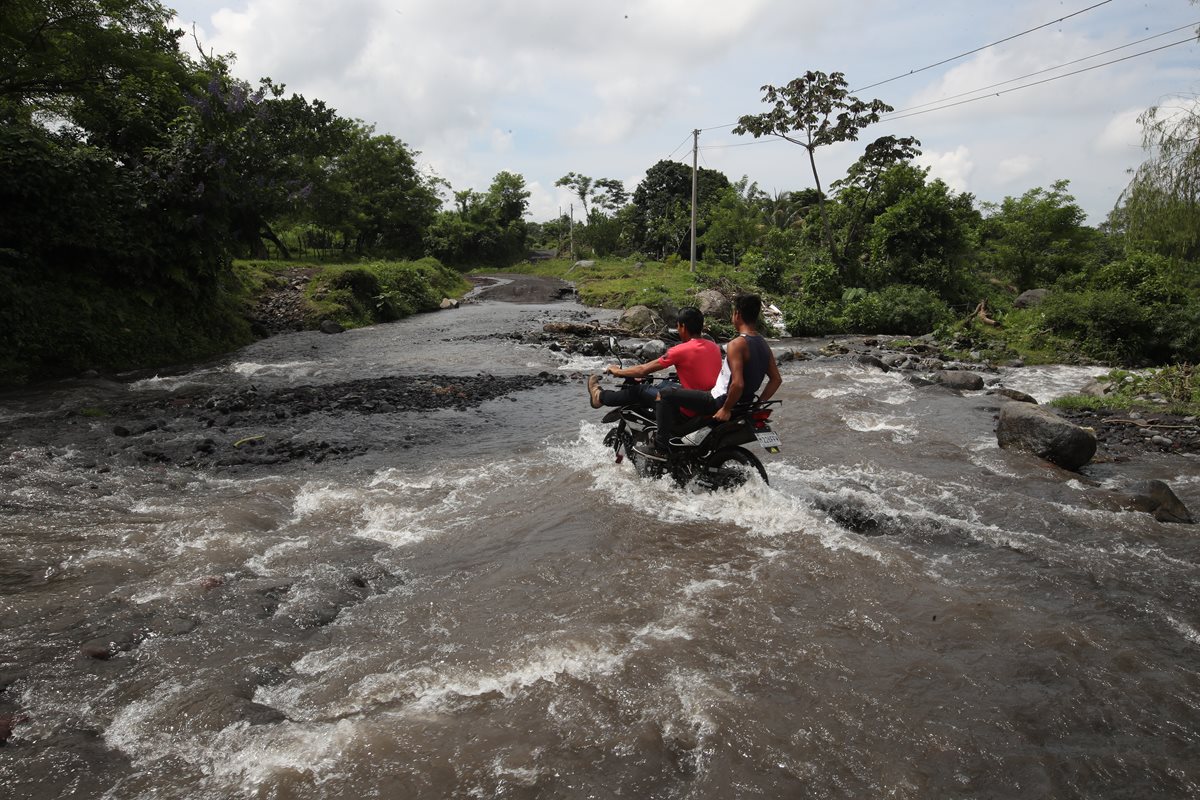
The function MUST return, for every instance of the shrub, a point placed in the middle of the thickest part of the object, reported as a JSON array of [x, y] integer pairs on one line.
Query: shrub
[[1108, 323], [809, 316], [894, 309], [1143, 275]]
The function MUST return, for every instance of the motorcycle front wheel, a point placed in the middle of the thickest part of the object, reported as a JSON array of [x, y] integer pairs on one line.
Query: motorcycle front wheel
[[731, 467]]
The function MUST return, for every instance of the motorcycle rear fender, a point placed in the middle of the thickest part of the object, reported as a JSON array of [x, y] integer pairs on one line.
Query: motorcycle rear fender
[[731, 433]]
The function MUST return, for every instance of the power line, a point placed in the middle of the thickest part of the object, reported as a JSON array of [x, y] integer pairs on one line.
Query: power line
[[771, 140], [898, 115], [1047, 69], [676, 150], [983, 47]]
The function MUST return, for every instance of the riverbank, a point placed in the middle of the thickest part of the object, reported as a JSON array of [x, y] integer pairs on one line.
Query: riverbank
[[231, 429]]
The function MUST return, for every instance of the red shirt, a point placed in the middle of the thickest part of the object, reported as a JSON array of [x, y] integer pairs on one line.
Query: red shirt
[[697, 361]]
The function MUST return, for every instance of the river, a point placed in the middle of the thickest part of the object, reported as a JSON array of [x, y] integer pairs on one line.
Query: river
[[480, 603]]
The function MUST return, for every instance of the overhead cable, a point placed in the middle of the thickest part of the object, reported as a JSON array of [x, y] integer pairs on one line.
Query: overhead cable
[[983, 47], [898, 115], [1043, 71]]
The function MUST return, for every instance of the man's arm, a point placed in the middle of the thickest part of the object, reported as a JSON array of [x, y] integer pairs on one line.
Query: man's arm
[[773, 379], [735, 354], [640, 371]]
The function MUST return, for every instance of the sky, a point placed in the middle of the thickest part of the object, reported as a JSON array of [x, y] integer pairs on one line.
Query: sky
[[607, 89]]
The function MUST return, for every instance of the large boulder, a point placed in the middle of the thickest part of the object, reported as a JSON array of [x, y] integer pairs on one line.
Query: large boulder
[[652, 349], [641, 319], [1037, 430], [713, 305], [962, 380], [1030, 298], [1157, 499], [669, 313]]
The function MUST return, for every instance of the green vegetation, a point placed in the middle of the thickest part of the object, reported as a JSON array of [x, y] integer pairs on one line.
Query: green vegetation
[[359, 293], [1174, 389], [624, 282]]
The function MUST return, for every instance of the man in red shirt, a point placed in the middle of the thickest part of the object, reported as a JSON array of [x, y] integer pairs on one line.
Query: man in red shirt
[[697, 362]]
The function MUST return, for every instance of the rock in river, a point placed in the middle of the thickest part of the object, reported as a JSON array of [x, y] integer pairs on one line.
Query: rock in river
[[959, 379], [1045, 434], [1157, 499]]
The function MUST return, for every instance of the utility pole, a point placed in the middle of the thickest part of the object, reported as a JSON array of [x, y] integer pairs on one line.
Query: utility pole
[[695, 157], [572, 229]]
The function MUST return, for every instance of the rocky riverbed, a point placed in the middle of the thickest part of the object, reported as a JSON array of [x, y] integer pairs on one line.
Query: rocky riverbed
[[237, 427]]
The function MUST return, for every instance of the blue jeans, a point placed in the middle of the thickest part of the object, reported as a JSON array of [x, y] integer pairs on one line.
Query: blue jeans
[[634, 393]]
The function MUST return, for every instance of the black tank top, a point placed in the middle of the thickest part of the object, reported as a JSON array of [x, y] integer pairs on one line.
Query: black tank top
[[755, 368]]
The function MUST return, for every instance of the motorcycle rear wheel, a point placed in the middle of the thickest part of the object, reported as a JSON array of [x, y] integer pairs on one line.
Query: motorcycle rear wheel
[[731, 467]]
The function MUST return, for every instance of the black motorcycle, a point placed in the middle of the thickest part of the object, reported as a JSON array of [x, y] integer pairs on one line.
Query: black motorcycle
[[705, 451]]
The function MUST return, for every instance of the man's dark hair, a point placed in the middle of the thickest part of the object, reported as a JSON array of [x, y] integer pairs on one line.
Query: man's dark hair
[[691, 319], [749, 306]]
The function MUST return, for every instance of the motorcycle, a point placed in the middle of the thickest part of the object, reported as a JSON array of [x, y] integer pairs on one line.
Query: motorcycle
[[705, 451]]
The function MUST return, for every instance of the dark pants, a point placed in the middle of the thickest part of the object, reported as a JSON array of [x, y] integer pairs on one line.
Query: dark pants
[[669, 416], [630, 394]]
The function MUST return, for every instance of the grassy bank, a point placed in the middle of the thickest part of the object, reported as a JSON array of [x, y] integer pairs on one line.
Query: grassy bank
[[624, 282], [358, 293], [1173, 389]]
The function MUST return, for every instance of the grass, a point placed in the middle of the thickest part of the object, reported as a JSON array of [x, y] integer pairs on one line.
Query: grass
[[620, 282], [359, 293], [1021, 334], [1174, 389]]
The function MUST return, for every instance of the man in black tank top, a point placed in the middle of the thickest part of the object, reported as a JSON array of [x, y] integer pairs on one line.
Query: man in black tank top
[[749, 357], [748, 360]]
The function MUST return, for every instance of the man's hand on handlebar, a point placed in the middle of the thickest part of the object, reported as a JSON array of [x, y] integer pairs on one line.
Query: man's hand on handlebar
[[722, 415]]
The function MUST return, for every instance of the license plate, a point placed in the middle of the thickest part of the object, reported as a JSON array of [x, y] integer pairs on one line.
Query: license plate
[[769, 441]]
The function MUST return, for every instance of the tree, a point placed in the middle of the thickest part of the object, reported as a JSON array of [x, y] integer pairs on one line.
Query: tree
[[864, 175], [1036, 238], [610, 194], [813, 111], [661, 218], [509, 197], [735, 221], [75, 59], [580, 184], [1160, 209], [923, 236]]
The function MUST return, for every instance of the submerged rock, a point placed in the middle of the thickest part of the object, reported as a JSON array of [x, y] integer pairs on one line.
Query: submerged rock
[[959, 379], [1040, 431], [872, 361], [1157, 499]]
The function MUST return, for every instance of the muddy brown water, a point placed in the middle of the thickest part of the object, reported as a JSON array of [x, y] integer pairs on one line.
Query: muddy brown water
[[499, 610]]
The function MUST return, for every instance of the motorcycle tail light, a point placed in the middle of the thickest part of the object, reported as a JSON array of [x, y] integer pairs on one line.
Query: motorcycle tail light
[[760, 418]]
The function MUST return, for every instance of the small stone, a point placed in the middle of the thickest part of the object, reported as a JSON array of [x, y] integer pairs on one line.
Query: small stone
[[1162, 441]]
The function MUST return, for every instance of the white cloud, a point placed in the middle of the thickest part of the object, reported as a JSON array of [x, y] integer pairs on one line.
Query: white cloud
[[609, 88], [953, 167], [1014, 168], [1122, 134]]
